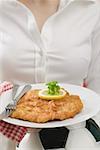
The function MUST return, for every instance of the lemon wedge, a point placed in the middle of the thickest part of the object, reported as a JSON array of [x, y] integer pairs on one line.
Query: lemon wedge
[[43, 94]]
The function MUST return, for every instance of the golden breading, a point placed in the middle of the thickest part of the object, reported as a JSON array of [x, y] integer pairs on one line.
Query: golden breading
[[31, 108]]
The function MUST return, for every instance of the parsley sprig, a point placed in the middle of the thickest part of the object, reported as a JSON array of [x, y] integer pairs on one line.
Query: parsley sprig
[[53, 88]]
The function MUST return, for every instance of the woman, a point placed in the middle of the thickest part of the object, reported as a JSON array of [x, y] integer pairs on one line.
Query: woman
[[45, 40]]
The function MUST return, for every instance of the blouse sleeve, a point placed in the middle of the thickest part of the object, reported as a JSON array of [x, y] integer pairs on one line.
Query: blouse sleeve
[[93, 78]]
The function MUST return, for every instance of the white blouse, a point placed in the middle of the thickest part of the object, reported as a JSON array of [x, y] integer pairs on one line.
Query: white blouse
[[67, 49]]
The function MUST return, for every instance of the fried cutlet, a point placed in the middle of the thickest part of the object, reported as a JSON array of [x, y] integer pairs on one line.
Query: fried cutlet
[[34, 109]]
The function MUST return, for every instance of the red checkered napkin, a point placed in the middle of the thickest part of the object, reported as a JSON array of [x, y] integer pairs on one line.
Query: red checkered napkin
[[11, 131], [5, 86]]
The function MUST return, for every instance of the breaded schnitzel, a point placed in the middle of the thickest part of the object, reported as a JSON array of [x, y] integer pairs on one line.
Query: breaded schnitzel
[[34, 109]]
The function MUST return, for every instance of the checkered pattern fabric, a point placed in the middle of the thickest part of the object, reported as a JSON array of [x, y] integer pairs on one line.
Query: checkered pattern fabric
[[13, 132], [5, 86]]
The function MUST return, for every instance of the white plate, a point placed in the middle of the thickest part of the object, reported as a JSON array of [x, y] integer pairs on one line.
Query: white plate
[[90, 99]]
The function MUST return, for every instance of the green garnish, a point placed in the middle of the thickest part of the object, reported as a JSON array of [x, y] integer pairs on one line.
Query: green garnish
[[53, 88]]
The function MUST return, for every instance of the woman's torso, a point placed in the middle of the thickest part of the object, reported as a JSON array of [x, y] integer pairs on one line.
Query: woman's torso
[[62, 51]]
